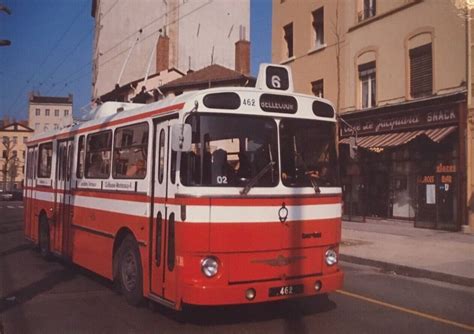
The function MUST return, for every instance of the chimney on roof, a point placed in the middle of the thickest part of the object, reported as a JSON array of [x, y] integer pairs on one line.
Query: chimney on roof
[[242, 53], [162, 53]]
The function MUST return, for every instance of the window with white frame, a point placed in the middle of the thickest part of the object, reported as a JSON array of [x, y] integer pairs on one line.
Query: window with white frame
[[318, 26], [367, 84], [368, 9]]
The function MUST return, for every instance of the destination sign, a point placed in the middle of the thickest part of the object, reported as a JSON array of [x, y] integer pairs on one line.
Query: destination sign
[[278, 103], [277, 78]]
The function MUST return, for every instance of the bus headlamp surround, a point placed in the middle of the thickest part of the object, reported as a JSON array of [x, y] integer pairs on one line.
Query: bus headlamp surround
[[330, 257], [209, 266]]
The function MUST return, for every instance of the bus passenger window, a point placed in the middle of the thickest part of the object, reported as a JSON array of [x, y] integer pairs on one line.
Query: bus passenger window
[[45, 159], [130, 152], [98, 155]]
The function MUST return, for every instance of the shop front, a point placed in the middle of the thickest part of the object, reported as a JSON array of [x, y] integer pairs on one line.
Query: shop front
[[408, 163]]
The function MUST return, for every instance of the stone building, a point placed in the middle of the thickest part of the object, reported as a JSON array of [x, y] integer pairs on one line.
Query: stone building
[[135, 41], [46, 113], [13, 152], [397, 73]]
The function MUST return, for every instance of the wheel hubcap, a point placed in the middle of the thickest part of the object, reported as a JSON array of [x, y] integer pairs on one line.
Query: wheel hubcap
[[129, 271]]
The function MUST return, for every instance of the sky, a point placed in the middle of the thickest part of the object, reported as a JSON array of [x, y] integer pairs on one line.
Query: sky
[[51, 50]]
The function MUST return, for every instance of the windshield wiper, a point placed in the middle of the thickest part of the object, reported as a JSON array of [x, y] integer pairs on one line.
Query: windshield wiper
[[257, 177]]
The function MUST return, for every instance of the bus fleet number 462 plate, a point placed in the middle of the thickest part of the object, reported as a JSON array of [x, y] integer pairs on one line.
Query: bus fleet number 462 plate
[[285, 290]]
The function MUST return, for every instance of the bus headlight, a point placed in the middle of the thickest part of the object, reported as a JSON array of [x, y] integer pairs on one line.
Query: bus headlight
[[209, 266], [330, 257]]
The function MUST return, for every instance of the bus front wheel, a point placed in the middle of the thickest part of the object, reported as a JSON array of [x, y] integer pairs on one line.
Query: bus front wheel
[[129, 274]]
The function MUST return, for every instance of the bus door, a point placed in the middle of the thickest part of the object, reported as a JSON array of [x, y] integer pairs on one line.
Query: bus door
[[29, 193], [63, 205], [163, 271]]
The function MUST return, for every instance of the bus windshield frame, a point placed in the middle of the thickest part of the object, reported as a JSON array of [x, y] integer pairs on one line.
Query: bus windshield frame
[[230, 150]]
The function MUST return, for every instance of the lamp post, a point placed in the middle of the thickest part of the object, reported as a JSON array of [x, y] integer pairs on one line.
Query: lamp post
[[3, 8]]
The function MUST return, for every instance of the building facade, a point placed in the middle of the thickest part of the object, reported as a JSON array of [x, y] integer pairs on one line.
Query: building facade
[[397, 73], [13, 152], [46, 113], [133, 40]]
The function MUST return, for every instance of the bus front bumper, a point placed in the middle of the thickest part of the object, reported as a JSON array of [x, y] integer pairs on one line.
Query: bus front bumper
[[237, 293]]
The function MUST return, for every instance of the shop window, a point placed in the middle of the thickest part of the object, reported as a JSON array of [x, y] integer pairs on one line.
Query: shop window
[[317, 87], [367, 84], [421, 71], [318, 26], [45, 159], [130, 152], [98, 155], [288, 35]]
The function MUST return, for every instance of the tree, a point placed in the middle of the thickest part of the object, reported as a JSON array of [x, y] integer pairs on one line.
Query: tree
[[10, 162]]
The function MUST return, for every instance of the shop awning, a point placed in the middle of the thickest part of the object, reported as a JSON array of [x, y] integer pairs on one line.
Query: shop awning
[[401, 138]]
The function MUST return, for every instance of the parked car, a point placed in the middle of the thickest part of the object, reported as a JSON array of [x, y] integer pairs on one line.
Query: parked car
[[17, 195], [5, 196]]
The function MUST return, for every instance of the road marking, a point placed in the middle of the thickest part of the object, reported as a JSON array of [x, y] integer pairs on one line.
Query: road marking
[[407, 310], [10, 207]]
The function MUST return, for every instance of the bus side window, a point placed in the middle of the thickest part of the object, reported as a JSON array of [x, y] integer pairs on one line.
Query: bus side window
[[99, 147], [130, 152], [45, 160], [80, 158]]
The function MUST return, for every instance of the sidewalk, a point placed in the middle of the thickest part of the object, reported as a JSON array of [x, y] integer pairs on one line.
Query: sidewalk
[[406, 250]]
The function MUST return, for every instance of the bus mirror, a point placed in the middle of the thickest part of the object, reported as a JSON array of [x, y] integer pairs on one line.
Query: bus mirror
[[181, 137], [352, 147]]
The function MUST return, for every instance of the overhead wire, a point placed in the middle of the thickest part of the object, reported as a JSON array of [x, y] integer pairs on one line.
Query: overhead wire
[[45, 59], [67, 79]]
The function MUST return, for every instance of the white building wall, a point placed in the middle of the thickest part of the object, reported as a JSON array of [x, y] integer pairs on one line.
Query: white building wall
[[44, 123], [194, 27]]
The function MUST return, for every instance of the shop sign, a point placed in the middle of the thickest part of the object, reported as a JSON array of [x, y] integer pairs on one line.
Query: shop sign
[[415, 119], [440, 168], [446, 179], [427, 179]]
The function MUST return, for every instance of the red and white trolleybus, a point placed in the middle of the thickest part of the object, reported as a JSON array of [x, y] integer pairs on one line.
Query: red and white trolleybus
[[219, 196]]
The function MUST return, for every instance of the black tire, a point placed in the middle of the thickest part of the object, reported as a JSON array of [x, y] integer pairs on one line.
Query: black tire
[[44, 241], [129, 271]]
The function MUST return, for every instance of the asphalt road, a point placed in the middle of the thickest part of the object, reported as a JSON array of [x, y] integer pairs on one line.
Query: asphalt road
[[53, 297]]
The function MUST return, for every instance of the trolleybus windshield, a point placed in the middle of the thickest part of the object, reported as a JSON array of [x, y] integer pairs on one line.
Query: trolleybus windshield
[[308, 153], [230, 150]]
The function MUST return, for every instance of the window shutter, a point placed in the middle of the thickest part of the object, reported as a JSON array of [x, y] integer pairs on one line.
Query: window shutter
[[421, 71]]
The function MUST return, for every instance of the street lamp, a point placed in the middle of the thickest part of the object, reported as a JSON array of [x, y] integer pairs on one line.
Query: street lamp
[[5, 42], [5, 9]]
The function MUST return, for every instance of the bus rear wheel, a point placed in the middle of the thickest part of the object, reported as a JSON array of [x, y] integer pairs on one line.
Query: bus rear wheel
[[44, 238], [129, 271]]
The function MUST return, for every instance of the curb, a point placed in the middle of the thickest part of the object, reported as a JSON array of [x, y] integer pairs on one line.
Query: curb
[[410, 271]]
